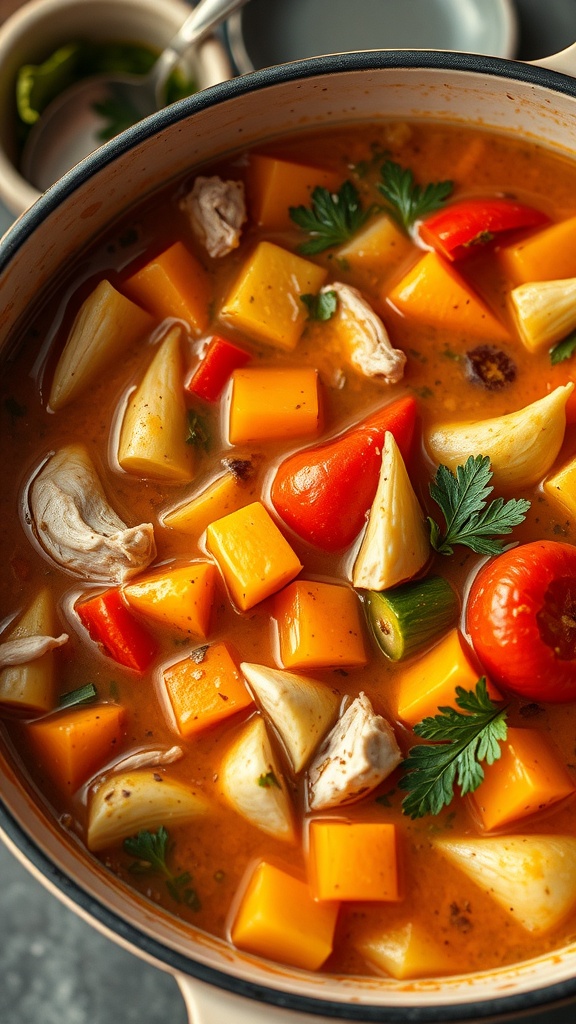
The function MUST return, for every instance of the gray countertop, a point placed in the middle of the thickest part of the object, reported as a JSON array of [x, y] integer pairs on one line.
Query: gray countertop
[[56, 969]]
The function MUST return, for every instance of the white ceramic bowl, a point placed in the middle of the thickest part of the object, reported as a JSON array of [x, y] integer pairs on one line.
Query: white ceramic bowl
[[219, 983], [38, 28]]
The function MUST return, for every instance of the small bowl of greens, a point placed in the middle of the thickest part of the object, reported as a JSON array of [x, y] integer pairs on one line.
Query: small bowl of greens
[[48, 45]]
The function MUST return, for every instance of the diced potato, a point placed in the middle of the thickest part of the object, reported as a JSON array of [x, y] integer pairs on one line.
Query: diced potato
[[521, 446], [73, 745], [30, 688], [406, 952], [433, 292], [226, 494], [268, 403], [253, 784], [396, 544], [528, 777], [180, 597], [560, 488], [278, 919], [274, 185], [206, 688], [130, 802], [255, 558], [300, 709], [153, 434], [106, 325], [173, 284], [545, 311], [264, 301], [544, 256], [532, 877], [353, 860], [379, 247], [319, 626]]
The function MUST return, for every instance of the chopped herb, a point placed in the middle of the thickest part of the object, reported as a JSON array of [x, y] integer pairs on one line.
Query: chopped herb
[[563, 350], [332, 220], [117, 114], [198, 433], [268, 780], [151, 850], [363, 167], [385, 799], [462, 742], [407, 202], [469, 520], [83, 695], [321, 306]]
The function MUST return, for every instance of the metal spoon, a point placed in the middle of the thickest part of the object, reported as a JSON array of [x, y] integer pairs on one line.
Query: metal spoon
[[68, 129]]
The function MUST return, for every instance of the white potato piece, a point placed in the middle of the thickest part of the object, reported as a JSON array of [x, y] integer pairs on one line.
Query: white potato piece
[[521, 446], [300, 709], [405, 952], [127, 803], [252, 782], [396, 544], [532, 877], [30, 686], [545, 311]]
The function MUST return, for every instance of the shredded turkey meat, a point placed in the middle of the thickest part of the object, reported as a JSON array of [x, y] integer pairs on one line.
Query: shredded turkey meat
[[77, 527], [28, 648], [217, 211], [356, 756], [371, 350]]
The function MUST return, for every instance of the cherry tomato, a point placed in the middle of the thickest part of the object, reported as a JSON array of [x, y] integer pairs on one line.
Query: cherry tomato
[[458, 229], [521, 616]]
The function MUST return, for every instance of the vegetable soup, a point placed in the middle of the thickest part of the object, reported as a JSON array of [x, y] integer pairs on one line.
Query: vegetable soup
[[289, 605]]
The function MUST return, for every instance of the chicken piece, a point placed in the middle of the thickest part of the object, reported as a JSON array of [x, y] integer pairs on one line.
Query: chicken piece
[[148, 759], [371, 350], [217, 211], [28, 648], [77, 527], [357, 755]]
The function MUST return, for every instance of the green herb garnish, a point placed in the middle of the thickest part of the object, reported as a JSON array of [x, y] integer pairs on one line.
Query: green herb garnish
[[333, 218], [268, 780], [117, 115], [563, 350], [407, 202], [83, 695], [151, 851], [463, 741], [469, 520], [198, 433], [321, 306]]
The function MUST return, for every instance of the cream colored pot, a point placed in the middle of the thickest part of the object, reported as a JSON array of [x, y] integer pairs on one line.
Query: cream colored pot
[[538, 101]]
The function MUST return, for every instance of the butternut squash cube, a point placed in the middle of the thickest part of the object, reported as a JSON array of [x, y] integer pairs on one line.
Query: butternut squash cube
[[274, 185], [268, 403], [560, 488], [353, 861], [73, 745], [545, 256], [255, 558], [181, 598], [319, 626], [406, 952], [378, 248], [264, 301], [226, 494], [30, 688], [174, 283], [528, 777], [206, 688], [278, 919], [432, 292]]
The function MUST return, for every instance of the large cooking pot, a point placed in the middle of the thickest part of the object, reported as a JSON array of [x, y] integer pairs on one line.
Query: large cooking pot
[[536, 100]]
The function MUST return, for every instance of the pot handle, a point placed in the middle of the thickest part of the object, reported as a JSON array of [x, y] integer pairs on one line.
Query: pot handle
[[564, 61], [209, 1005]]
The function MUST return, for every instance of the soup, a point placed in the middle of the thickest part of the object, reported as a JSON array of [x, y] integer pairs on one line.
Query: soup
[[288, 608]]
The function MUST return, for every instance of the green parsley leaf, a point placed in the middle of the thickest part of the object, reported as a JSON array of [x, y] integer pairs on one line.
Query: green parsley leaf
[[83, 695], [117, 114], [469, 520], [151, 851], [268, 780], [407, 202], [321, 306], [462, 742], [332, 219], [198, 433], [563, 350]]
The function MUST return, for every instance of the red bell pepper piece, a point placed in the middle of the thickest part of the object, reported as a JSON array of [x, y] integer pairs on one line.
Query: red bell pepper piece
[[323, 493], [459, 229], [521, 619], [219, 361], [111, 624]]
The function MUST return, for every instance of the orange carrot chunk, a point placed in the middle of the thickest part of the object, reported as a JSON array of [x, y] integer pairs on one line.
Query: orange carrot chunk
[[206, 688], [319, 625], [353, 861]]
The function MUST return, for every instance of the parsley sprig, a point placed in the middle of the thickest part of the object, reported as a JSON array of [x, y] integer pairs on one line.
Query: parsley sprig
[[470, 521], [462, 742], [563, 349], [322, 306], [332, 219], [406, 201], [151, 851]]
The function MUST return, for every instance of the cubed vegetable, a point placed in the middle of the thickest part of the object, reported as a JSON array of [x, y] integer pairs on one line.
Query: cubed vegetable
[[264, 301], [121, 637], [227, 493], [378, 248], [547, 255], [72, 745], [545, 311], [353, 860], [560, 488], [274, 185], [253, 784], [461, 228], [173, 284], [278, 919], [30, 687], [255, 558], [528, 777], [180, 597], [218, 362], [268, 403], [408, 618], [319, 626], [206, 688], [406, 952]]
